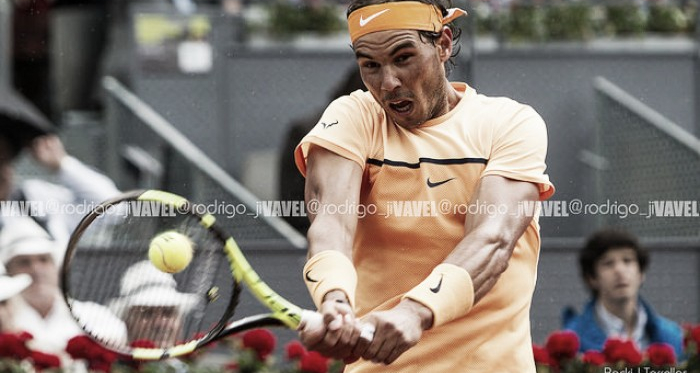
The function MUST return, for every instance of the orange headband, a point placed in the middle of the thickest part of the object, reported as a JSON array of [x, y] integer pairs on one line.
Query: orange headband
[[402, 15]]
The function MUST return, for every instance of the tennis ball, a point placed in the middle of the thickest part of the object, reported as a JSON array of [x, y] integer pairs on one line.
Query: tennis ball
[[170, 251]]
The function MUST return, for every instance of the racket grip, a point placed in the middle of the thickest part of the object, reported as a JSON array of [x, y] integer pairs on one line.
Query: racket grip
[[310, 320]]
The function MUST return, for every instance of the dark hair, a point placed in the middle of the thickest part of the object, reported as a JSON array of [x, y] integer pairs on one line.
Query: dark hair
[[603, 241], [432, 37]]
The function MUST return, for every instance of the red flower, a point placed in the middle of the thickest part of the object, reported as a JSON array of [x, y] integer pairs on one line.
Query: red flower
[[661, 354], [25, 336], [45, 361], [616, 350], [295, 350], [562, 345], [262, 341], [541, 355], [313, 362], [143, 343], [79, 347], [692, 335], [593, 357], [97, 357], [14, 345]]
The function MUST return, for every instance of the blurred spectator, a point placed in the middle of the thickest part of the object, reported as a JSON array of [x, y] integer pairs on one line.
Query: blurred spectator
[[150, 305], [21, 125], [25, 248], [100, 322], [10, 286], [613, 265], [291, 182], [81, 186]]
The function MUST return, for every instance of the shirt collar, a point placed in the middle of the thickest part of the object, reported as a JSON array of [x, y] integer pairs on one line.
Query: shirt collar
[[614, 326]]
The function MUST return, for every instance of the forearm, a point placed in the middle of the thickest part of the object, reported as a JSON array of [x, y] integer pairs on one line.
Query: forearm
[[335, 234], [489, 239], [484, 255], [331, 181], [329, 232]]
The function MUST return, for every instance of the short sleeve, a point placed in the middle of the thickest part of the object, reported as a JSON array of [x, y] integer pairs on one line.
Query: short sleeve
[[345, 128], [519, 150]]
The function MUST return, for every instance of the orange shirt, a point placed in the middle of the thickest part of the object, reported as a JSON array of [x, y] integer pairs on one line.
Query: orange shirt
[[415, 191]]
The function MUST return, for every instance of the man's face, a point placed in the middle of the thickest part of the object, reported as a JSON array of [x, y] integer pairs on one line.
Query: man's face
[[41, 267], [160, 325], [405, 74], [618, 276]]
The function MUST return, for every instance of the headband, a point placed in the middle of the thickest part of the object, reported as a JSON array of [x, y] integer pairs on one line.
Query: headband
[[402, 15]]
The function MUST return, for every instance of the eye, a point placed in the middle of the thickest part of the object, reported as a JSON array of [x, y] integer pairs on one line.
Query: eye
[[606, 263], [370, 65], [403, 58]]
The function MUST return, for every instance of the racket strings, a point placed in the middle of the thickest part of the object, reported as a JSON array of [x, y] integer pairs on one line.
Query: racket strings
[[122, 300]]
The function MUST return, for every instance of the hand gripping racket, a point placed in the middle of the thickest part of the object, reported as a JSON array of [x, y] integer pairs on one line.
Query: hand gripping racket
[[119, 297]]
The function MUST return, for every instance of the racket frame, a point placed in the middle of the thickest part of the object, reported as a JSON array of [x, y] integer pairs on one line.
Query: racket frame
[[283, 312]]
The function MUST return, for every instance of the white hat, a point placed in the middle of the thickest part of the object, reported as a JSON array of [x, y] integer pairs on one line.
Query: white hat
[[23, 236], [12, 285], [144, 285]]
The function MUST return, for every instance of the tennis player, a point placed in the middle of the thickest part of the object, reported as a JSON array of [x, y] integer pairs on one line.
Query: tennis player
[[442, 257]]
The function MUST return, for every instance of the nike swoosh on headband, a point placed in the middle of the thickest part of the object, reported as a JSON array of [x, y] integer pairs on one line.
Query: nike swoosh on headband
[[365, 21]]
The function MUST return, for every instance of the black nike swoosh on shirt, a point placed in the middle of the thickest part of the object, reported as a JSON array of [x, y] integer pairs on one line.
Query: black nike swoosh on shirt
[[436, 289], [437, 183], [309, 279]]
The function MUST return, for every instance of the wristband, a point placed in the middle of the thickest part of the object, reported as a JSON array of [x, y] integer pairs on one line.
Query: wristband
[[448, 291], [330, 270]]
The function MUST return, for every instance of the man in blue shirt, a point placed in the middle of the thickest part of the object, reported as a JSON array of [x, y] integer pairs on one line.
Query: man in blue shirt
[[613, 266]]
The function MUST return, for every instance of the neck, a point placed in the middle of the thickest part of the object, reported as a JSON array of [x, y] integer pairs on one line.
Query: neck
[[453, 96], [626, 310], [449, 98], [42, 302]]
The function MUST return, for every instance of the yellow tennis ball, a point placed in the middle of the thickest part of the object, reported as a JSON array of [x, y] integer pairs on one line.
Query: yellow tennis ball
[[170, 251]]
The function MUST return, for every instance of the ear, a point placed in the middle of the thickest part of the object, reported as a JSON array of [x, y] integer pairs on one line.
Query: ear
[[444, 44]]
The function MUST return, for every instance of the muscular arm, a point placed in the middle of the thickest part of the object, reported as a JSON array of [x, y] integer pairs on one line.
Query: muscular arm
[[332, 181], [490, 238]]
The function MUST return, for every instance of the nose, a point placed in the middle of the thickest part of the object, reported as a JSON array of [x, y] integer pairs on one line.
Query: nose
[[620, 267], [390, 80]]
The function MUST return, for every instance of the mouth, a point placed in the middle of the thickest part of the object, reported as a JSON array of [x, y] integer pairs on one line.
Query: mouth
[[401, 107]]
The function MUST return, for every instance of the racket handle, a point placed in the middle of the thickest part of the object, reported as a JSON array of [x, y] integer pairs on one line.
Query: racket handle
[[310, 320]]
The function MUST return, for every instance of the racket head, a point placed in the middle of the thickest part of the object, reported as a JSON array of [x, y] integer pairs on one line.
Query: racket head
[[122, 301]]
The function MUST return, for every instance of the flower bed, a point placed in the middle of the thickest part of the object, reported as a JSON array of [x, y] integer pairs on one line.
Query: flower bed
[[253, 352], [248, 353], [560, 355]]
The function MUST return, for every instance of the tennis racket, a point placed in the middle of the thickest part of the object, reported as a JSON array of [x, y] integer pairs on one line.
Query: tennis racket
[[123, 302]]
